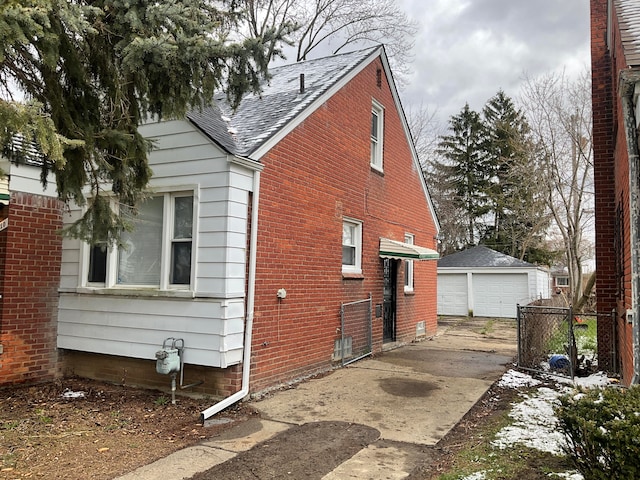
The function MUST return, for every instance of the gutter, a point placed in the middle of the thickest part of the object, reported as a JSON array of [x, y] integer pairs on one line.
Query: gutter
[[628, 89], [248, 328]]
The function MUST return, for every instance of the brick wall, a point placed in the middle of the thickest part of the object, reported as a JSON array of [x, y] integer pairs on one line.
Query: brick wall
[[217, 382], [611, 172], [30, 249], [313, 178]]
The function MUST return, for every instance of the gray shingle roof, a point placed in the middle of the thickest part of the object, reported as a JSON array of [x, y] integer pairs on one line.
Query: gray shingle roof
[[628, 13], [481, 256], [260, 117]]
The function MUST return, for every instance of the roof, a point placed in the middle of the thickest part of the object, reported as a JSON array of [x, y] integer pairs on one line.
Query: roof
[[628, 13], [482, 256], [261, 117]]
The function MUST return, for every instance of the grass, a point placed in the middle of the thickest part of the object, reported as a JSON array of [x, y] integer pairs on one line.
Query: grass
[[479, 455]]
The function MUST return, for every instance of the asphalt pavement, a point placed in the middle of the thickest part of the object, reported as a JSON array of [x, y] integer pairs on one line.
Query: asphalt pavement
[[413, 395]]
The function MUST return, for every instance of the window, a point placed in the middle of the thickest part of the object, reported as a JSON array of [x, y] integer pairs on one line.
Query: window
[[157, 252], [351, 246], [408, 267], [377, 122], [562, 281]]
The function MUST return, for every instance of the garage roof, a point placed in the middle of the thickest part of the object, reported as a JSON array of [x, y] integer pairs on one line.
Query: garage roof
[[481, 256]]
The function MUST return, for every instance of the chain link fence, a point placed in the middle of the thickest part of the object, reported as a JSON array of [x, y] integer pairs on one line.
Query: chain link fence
[[356, 339], [555, 340]]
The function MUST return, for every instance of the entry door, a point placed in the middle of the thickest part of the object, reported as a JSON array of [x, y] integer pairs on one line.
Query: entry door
[[390, 271]]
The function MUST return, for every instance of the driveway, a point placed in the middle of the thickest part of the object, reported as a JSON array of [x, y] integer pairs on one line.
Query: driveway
[[402, 402]]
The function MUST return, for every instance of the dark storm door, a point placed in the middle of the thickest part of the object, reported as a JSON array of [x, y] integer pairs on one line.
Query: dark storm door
[[390, 270]]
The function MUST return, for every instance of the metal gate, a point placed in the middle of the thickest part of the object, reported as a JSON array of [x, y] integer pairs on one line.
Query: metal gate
[[356, 340], [546, 341]]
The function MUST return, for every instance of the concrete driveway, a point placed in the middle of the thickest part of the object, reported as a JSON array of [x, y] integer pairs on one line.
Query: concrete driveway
[[412, 395]]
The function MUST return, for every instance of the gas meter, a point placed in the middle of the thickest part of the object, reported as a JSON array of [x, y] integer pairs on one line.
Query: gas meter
[[168, 359]]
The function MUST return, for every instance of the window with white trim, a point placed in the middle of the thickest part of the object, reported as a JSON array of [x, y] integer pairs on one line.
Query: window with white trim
[[351, 246], [408, 266], [377, 130], [156, 253], [562, 281]]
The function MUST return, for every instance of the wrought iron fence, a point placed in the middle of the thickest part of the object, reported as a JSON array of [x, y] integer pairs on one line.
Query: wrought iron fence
[[356, 340]]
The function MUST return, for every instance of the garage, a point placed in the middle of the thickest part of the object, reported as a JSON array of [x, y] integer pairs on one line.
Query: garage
[[452, 294], [498, 295], [486, 283]]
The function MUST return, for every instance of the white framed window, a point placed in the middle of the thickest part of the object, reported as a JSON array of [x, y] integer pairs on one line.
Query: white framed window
[[408, 266], [351, 246], [562, 281], [158, 252], [377, 134]]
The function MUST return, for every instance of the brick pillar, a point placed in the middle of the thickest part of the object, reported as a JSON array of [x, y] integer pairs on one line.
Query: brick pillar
[[30, 252], [604, 179]]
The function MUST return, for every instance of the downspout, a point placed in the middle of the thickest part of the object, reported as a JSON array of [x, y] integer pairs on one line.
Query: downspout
[[248, 328], [628, 89]]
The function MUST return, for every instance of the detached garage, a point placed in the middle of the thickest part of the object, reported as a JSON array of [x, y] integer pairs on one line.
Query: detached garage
[[484, 283]]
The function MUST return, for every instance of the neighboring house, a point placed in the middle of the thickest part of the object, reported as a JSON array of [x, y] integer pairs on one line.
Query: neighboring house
[[30, 255], [262, 223], [560, 280], [484, 283], [615, 61]]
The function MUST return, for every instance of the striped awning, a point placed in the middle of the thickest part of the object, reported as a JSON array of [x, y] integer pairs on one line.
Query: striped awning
[[405, 251]]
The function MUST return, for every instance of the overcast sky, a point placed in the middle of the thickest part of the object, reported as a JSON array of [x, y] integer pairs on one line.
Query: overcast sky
[[468, 49]]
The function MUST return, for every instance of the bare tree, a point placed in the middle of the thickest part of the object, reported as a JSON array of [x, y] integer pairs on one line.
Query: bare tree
[[335, 24], [559, 113]]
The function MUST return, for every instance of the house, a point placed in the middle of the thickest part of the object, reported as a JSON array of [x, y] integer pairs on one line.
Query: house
[[615, 61], [264, 224], [30, 257], [482, 282]]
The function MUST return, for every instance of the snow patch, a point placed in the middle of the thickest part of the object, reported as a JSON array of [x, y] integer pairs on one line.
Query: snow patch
[[568, 475], [515, 379], [476, 476], [535, 424]]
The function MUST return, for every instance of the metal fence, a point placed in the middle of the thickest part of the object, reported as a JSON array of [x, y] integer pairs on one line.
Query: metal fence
[[356, 339], [546, 341]]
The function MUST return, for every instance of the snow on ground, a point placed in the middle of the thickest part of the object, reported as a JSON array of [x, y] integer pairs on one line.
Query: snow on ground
[[515, 379]]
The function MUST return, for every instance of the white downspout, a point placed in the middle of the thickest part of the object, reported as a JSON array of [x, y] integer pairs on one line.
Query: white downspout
[[248, 328]]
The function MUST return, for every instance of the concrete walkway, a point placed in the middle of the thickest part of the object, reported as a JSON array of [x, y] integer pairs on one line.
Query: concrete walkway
[[412, 395]]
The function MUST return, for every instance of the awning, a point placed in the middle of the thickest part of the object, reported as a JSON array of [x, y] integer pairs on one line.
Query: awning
[[405, 251]]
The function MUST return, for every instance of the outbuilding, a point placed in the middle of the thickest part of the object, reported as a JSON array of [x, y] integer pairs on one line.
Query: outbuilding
[[482, 282]]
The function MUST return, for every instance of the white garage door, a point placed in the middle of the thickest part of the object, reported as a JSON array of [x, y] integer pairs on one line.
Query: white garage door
[[497, 295], [452, 294]]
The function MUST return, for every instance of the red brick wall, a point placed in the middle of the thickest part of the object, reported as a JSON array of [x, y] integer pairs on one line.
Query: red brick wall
[[30, 249], [313, 178], [611, 169]]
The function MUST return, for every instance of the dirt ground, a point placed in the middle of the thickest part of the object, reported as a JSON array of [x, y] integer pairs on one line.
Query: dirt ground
[[112, 430], [106, 431]]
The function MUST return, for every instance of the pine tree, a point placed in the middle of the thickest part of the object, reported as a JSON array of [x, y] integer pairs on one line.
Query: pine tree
[[520, 216], [463, 169], [90, 72]]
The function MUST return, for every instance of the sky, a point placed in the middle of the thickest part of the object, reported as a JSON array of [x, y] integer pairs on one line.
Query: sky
[[466, 50]]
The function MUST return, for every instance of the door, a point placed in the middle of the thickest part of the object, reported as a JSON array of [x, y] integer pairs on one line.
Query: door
[[452, 294], [497, 295], [390, 280]]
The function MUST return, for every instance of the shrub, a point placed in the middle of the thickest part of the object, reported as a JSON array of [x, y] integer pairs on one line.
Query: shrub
[[602, 428]]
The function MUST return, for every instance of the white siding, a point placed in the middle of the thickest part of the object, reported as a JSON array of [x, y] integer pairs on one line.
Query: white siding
[[211, 324], [497, 295]]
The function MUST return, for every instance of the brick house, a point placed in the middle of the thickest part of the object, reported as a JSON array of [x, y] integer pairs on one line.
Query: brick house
[[263, 222], [30, 256], [615, 57]]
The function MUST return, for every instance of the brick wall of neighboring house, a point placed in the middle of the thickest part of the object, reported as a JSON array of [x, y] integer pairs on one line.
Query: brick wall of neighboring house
[[316, 176], [611, 174], [604, 174], [30, 249]]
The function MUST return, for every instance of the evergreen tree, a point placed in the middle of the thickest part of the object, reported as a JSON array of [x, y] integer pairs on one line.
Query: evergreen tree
[[90, 72], [463, 169], [520, 216]]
